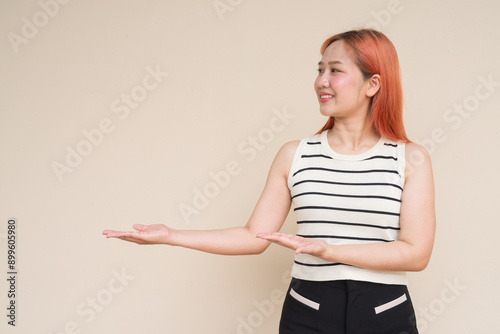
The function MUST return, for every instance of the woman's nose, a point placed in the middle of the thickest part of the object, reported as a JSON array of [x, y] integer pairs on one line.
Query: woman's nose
[[324, 81]]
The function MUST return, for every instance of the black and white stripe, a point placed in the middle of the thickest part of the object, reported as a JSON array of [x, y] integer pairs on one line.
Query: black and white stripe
[[345, 199]]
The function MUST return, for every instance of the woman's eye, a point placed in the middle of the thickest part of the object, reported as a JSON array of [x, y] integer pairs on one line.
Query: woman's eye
[[333, 70]]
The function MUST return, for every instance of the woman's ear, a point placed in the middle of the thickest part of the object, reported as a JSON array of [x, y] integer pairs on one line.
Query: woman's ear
[[373, 85]]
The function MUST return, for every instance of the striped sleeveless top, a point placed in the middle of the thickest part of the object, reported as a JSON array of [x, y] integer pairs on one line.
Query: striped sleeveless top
[[346, 199]]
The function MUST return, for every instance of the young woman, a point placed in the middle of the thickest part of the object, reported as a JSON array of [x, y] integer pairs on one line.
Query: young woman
[[363, 195]]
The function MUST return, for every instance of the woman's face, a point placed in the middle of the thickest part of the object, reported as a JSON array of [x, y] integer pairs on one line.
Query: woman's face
[[340, 86]]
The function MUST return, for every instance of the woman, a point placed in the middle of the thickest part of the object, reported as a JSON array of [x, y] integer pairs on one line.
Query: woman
[[363, 195]]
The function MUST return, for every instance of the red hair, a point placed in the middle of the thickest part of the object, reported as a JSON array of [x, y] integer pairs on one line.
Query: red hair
[[374, 53]]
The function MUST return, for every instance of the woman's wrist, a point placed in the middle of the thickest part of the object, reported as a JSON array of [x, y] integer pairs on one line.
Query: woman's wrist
[[329, 253], [172, 237]]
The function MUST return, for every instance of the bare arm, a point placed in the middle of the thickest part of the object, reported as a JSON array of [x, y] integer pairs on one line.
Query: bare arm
[[417, 222], [268, 216]]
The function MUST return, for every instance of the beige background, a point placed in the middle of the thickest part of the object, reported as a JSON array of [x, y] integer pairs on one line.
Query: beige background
[[232, 66]]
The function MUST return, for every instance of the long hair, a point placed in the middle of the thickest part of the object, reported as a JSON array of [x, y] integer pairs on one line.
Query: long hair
[[374, 53]]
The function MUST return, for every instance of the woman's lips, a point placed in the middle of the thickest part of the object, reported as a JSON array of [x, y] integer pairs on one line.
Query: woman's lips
[[325, 97]]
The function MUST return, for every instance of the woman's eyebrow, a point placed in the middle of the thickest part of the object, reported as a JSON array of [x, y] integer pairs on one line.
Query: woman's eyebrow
[[331, 62]]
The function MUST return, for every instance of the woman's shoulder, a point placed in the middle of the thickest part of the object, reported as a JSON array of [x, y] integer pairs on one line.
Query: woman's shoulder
[[292, 145], [416, 152], [289, 149], [287, 152], [417, 158]]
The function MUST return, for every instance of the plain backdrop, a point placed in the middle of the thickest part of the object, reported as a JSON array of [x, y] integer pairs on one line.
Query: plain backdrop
[[121, 112]]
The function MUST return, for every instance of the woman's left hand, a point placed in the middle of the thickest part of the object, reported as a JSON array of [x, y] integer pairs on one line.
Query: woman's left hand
[[314, 247]]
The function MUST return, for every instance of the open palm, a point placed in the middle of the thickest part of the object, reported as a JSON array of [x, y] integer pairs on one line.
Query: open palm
[[144, 234], [299, 244]]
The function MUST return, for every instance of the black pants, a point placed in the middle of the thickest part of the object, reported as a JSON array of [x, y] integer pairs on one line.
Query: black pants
[[347, 307]]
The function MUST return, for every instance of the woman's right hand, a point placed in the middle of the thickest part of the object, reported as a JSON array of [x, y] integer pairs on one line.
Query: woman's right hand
[[145, 234]]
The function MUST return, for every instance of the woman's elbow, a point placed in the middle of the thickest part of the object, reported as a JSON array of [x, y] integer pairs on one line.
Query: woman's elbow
[[419, 263], [260, 247]]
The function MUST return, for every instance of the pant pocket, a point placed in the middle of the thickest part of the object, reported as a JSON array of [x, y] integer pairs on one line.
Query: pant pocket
[[306, 301], [300, 311], [381, 309], [391, 304]]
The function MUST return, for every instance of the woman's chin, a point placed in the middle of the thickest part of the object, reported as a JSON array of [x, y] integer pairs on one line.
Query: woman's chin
[[326, 112]]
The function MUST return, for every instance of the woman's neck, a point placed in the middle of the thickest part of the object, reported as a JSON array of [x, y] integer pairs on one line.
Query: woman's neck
[[351, 137]]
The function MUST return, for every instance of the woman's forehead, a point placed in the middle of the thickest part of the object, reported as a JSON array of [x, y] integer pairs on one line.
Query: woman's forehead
[[337, 52]]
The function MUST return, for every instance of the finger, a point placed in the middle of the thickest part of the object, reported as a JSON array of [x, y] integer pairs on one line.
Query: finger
[[113, 233], [308, 248], [285, 238], [125, 234], [132, 239], [128, 236], [272, 238], [300, 249], [138, 227], [275, 235], [110, 233]]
